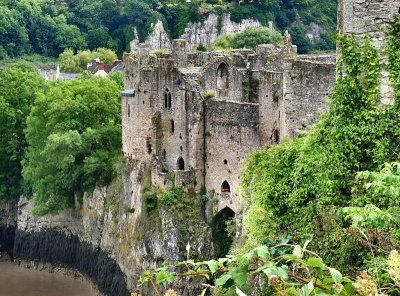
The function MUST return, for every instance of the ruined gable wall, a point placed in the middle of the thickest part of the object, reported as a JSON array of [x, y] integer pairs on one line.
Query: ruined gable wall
[[231, 88], [232, 134]]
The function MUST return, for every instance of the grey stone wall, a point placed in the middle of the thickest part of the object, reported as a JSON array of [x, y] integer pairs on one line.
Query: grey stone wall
[[307, 86], [231, 135], [372, 17]]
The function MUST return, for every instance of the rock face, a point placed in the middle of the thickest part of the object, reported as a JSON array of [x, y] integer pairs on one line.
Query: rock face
[[205, 32], [8, 223], [110, 237]]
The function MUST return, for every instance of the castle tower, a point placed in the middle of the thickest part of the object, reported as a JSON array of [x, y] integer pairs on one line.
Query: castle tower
[[372, 17]]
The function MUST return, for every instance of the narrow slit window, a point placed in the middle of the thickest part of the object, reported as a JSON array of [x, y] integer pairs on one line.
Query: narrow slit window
[[172, 127]]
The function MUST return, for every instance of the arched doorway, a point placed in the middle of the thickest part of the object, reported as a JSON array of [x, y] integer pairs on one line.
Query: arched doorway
[[222, 76], [180, 164], [223, 231]]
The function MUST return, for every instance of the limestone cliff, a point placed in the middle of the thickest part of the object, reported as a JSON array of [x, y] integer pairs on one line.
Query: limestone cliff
[[205, 32], [109, 236]]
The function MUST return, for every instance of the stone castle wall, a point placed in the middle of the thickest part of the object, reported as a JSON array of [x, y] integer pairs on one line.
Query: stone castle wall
[[231, 135], [208, 111], [372, 17]]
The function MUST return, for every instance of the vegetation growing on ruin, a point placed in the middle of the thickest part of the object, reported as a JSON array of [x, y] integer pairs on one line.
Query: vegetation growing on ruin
[[249, 38], [49, 27], [336, 188]]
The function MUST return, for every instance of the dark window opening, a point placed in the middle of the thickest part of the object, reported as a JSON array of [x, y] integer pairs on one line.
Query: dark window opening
[[276, 136], [225, 161], [129, 110], [181, 148], [223, 229], [181, 164], [172, 126], [167, 99], [164, 155], [225, 187], [149, 148]]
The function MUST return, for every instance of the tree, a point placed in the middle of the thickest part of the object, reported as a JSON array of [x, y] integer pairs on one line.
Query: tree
[[18, 85], [74, 133]]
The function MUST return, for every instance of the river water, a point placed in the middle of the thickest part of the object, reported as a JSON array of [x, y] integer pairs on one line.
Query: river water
[[17, 281]]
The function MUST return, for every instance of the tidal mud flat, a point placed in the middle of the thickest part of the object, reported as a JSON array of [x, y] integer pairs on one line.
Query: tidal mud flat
[[16, 281]]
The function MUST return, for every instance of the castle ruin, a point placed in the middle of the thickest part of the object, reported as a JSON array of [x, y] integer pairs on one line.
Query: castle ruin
[[200, 114]]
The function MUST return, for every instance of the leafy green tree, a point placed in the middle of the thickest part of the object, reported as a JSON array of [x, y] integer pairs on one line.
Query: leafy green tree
[[74, 133], [75, 63], [18, 85]]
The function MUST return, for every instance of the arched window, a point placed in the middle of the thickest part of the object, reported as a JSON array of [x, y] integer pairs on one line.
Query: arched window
[[171, 126], [167, 99], [225, 187], [164, 153], [181, 164], [222, 76]]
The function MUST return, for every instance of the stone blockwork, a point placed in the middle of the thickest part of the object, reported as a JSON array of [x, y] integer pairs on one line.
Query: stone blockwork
[[372, 17], [200, 114]]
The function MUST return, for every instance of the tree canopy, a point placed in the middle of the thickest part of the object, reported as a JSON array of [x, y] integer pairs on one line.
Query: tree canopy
[[18, 86], [49, 27], [74, 136]]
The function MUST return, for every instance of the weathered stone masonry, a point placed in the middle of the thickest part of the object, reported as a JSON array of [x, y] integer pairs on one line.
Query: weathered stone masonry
[[373, 18], [200, 114]]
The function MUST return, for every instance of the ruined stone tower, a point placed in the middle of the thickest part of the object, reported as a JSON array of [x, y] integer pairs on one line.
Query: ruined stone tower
[[372, 17]]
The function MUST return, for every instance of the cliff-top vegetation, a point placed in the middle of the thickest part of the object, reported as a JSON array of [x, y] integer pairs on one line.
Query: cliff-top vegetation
[[48, 28]]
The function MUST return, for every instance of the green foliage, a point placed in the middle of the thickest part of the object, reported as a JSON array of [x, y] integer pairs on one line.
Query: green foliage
[[73, 63], [249, 38], [150, 198], [74, 133], [171, 197], [18, 85], [324, 181], [48, 28], [294, 270]]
